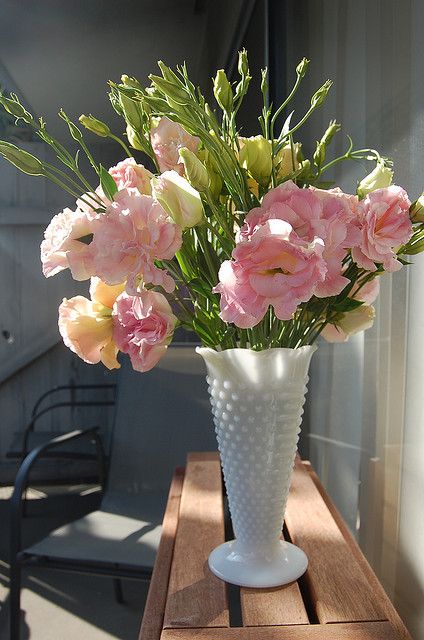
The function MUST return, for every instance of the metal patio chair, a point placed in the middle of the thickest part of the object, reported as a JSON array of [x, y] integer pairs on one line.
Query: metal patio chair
[[77, 464], [160, 416]]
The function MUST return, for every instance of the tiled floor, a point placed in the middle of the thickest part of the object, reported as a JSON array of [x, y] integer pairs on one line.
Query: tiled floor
[[66, 606]]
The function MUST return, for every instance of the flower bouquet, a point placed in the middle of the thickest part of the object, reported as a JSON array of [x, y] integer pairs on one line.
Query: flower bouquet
[[242, 240]]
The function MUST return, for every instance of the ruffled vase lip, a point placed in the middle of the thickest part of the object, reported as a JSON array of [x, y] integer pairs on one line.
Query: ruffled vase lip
[[311, 348]]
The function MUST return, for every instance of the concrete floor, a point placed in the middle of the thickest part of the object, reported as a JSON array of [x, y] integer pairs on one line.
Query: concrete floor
[[65, 606]]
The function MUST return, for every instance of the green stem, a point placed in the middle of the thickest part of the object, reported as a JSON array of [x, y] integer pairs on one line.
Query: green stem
[[122, 143]]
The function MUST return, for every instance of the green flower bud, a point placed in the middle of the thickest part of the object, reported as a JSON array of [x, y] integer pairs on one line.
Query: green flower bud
[[256, 156], [21, 159], [195, 170], [94, 125], [333, 128], [416, 210], [264, 81], [130, 82], [132, 112], [381, 176], [177, 94], [73, 129], [134, 139], [302, 67], [178, 198], [222, 91], [167, 73], [243, 64], [287, 161], [320, 95], [16, 109]]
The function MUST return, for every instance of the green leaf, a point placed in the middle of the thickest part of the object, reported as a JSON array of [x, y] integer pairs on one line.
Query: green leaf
[[349, 304], [107, 182]]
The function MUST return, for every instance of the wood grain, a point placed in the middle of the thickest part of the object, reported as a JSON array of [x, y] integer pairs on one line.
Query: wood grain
[[339, 589], [346, 631], [151, 626], [276, 606], [196, 598], [378, 591]]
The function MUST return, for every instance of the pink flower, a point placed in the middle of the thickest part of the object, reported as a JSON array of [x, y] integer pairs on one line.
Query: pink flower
[[61, 242], [167, 140], [133, 233], [87, 329], [129, 174], [273, 267], [143, 327], [385, 224], [240, 304], [329, 215]]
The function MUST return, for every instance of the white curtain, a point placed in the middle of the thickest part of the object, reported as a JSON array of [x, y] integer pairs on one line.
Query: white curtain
[[366, 422]]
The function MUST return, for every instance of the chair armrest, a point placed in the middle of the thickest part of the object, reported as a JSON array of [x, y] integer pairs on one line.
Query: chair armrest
[[22, 476]]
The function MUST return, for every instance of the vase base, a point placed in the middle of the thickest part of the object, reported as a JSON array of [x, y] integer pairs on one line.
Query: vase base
[[231, 564]]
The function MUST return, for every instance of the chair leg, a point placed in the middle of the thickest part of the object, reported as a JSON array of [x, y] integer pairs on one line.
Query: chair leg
[[15, 600], [117, 587]]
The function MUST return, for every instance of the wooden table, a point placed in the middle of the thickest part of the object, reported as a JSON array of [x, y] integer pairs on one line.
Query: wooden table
[[339, 597]]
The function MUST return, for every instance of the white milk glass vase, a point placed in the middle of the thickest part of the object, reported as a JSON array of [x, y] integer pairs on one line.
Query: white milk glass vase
[[257, 402]]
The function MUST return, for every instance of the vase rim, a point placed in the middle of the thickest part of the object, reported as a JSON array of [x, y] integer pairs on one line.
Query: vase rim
[[307, 347]]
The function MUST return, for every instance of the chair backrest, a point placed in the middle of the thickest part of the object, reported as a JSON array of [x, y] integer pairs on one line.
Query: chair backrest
[[160, 416]]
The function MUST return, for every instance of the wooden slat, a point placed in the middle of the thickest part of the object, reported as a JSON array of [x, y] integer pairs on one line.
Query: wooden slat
[[339, 588], [277, 606], [346, 631], [151, 626], [196, 598], [378, 591]]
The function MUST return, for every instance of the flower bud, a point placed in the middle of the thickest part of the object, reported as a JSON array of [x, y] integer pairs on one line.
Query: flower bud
[[21, 159], [195, 171], [132, 111], [320, 95], [134, 139], [347, 324], [264, 81], [178, 198], [286, 161], [256, 156], [302, 67], [381, 176], [222, 91], [173, 92], [16, 109], [359, 319], [243, 64], [94, 125], [130, 82], [416, 210]]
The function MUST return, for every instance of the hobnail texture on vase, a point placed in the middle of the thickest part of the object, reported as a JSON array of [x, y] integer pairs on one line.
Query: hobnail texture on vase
[[257, 404]]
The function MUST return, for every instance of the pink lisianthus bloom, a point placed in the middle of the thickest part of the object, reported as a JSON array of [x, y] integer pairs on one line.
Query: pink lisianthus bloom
[[167, 139], [128, 174], [385, 224], [240, 304], [86, 326], [329, 215], [274, 265], [143, 327], [133, 233], [61, 242]]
